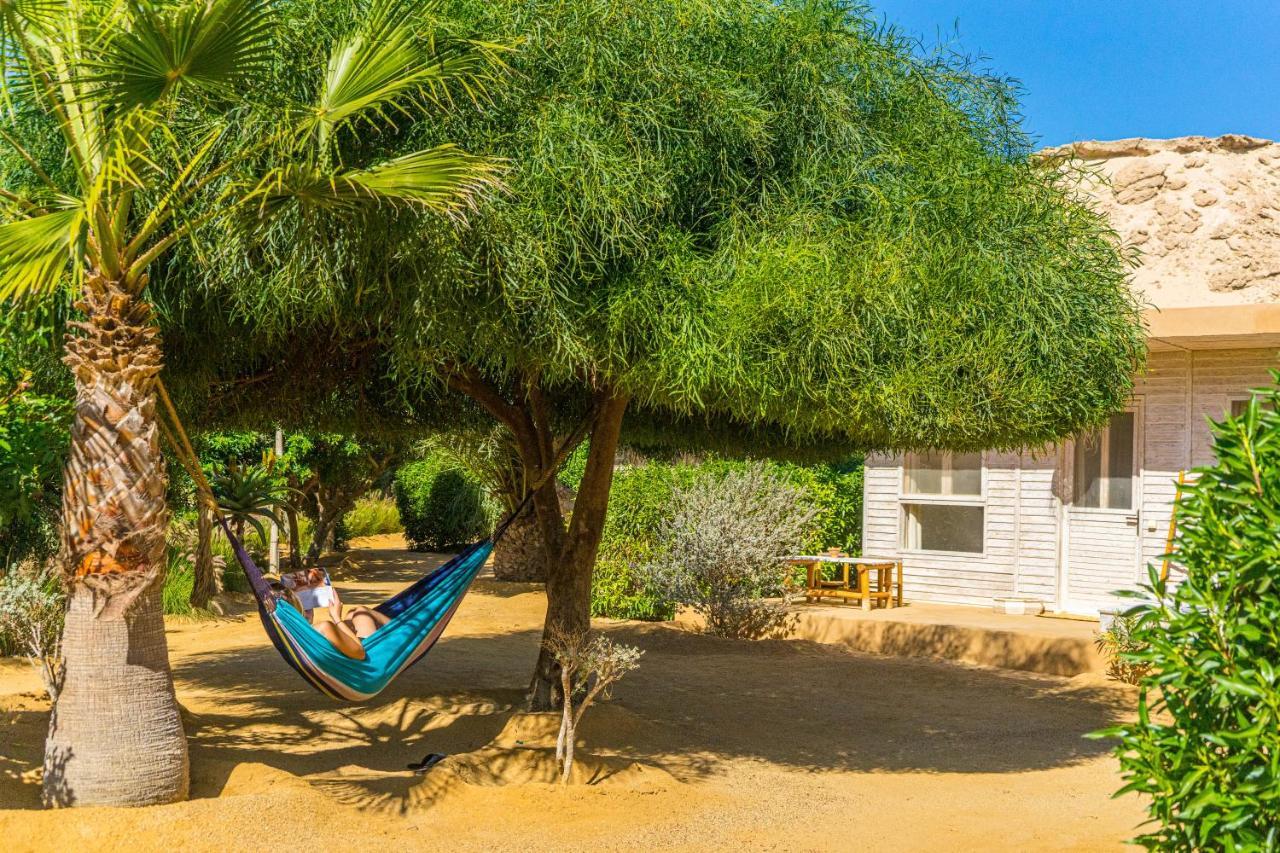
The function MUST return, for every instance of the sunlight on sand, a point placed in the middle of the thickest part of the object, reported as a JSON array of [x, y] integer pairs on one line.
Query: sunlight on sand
[[711, 744]]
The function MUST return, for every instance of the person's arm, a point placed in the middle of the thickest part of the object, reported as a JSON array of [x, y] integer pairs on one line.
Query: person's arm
[[335, 604]]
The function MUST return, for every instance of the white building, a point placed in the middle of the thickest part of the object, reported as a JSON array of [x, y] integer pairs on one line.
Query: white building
[[1068, 525]]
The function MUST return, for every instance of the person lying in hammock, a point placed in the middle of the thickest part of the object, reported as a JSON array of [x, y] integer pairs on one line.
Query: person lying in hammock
[[311, 590]]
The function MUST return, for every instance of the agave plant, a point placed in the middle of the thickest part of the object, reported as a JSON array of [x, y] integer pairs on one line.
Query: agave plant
[[250, 494], [121, 135]]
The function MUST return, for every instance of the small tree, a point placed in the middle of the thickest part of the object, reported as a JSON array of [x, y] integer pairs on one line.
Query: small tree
[[721, 552], [1205, 747], [590, 665], [32, 606]]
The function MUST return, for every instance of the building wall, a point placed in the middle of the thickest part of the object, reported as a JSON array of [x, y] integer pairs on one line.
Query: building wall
[[1023, 492]]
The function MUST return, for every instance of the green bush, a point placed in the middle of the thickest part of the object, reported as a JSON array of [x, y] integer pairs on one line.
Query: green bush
[[441, 505], [33, 444], [1205, 748], [179, 580], [641, 501], [372, 515]]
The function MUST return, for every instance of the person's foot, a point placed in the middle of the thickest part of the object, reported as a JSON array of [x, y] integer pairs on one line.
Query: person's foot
[[421, 767]]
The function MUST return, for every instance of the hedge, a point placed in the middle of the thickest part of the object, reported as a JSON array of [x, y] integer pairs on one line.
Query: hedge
[[441, 505]]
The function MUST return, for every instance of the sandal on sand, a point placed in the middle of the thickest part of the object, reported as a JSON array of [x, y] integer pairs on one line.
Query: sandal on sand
[[432, 759]]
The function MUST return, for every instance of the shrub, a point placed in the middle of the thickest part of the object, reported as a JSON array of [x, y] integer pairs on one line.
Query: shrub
[[33, 443], [32, 607], [441, 505], [639, 503], [1206, 743], [1119, 645], [590, 667], [720, 552], [179, 579], [372, 515]]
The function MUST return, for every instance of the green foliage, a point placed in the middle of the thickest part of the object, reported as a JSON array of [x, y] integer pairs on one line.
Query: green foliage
[[441, 505], [720, 218], [32, 605], [1118, 645], [639, 501], [642, 500], [179, 580], [33, 441], [372, 515], [35, 414], [1205, 748], [570, 473], [251, 494]]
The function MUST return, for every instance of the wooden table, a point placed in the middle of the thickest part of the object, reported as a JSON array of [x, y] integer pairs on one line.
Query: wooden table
[[888, 587]]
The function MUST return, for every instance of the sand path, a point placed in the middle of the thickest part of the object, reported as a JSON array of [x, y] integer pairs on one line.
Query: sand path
[[712, 744]]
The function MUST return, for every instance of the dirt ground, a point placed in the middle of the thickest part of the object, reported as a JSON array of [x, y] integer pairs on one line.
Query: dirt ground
[[711, 745]]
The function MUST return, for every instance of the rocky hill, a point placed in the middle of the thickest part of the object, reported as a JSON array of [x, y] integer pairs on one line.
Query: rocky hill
[[1204, 213]]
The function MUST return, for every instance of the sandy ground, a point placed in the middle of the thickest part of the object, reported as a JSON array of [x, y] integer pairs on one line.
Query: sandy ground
[[711, 745]]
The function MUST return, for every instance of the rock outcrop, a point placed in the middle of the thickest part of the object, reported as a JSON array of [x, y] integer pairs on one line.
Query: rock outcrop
[[1203, 212]]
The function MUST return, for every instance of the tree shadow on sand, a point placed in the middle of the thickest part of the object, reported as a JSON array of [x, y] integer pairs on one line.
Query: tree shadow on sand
[[696, 704]]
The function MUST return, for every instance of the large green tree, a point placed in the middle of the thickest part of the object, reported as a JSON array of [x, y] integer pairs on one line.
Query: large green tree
[[774, 218], [125, 129]]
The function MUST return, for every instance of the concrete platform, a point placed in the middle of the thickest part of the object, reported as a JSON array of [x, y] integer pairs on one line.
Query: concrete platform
[[972, 635]]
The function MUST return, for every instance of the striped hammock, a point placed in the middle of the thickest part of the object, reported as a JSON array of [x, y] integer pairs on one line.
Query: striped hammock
[[418, 616]]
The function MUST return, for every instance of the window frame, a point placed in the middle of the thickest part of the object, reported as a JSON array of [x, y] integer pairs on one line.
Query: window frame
[[1246, 399], [907, 499], [1136, 489]]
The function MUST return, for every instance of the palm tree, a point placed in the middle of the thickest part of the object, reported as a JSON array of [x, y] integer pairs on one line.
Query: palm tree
[[140, 101]]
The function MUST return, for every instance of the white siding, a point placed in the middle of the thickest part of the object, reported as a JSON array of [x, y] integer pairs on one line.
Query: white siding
[[1024, 504]]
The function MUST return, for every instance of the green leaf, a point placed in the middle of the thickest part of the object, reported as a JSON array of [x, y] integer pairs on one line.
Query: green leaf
[[386, 64], [35, 253], [443, 179], [210, 46]]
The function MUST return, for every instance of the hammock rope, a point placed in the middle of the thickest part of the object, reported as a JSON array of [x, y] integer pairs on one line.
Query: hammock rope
[[417, 615]]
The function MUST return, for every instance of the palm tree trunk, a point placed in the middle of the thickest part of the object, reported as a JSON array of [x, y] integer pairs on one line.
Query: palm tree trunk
[[115, 736], [208, 581]]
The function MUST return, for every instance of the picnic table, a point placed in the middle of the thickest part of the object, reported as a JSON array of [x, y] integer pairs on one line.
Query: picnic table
[[887, 588]]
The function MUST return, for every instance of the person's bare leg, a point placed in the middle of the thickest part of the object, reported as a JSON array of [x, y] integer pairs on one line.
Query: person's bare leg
[[362, 623], [367, 614], [343, 639]]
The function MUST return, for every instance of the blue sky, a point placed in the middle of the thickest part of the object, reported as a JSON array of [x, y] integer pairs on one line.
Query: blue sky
[[1106, 70]]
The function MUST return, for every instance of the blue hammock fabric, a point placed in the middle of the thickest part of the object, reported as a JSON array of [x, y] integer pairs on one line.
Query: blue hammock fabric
[[419, 615]]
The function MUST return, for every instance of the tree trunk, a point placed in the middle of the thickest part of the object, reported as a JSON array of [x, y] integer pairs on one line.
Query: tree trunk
[[569, 566], [329, 509], [115, 736], [208, 581], [332, 505], [520, 555], [295, 540]]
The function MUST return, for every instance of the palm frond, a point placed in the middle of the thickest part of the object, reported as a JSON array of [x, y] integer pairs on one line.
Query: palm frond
[[386, 65], [250, 494], [444, 179], [208, 46], [35, 252]]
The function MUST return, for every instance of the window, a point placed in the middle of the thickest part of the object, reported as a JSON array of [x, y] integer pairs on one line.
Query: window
[[1106, 465], [1239, 407], [940, 473], [942, 506], [944, 527]]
